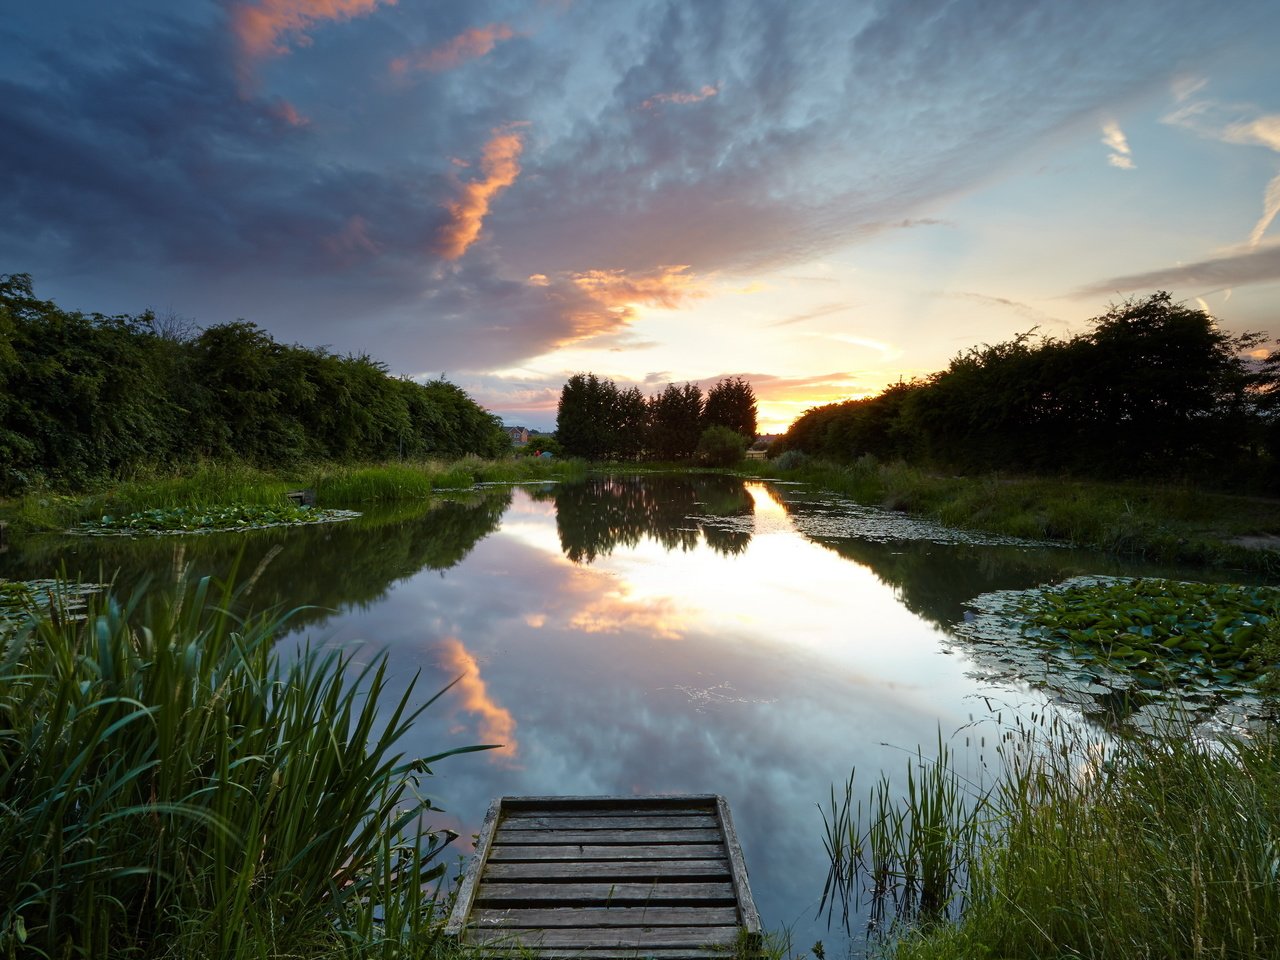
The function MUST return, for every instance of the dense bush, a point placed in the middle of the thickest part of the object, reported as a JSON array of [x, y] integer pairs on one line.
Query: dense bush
[[85, 397], [1154, 389], [720, 447]]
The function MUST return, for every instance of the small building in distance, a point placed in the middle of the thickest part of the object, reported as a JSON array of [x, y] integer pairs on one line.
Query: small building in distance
[[519, 436]]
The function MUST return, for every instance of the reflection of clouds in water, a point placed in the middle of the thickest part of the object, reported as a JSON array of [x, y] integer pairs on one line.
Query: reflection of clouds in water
[[794, 665], [496, 725]]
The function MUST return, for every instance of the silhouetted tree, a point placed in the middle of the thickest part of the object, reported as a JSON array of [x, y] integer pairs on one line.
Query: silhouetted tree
[[675, 417], [732, 404]]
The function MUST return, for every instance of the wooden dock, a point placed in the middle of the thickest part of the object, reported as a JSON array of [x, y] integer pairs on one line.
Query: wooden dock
[[608, 877]]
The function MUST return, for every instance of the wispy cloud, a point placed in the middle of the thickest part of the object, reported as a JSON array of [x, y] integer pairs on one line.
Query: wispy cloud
[[496, 724], [468, 45], [500, 165], [824, 310], [267, 27], [679, 97], [1113, 139], [666, 286], [1259, 264], [1219, 121]]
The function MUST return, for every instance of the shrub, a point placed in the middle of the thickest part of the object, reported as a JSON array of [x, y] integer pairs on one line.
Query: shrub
[[721, 447]]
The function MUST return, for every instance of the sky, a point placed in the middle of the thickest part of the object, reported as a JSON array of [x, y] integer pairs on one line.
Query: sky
[[820, 197]]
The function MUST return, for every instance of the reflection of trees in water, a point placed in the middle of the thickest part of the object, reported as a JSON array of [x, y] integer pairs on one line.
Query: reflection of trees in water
[[320, 567], [602, 513]]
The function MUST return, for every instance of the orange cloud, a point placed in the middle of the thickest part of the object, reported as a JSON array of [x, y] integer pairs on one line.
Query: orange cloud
[[497, 725], [658, 98], [260, 26], [667, 287], [500, 165], [468, 45], [287, 113]]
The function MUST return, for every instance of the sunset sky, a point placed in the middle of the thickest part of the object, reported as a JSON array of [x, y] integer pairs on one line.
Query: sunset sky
[[822, 197]]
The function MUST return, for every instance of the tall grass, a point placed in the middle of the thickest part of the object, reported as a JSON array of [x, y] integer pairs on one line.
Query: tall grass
[[1165, 523], [1164, 847], [212, 484], [172, 786]]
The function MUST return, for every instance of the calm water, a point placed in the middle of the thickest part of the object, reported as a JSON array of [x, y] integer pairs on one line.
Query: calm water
[[643, 635]]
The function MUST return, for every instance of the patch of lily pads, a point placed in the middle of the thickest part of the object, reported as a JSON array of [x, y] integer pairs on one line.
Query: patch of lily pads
[[22, 601], [823, 518], [184, 520], [1148, 645]]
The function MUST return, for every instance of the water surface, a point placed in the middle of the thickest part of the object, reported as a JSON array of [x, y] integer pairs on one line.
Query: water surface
[[636, 635]]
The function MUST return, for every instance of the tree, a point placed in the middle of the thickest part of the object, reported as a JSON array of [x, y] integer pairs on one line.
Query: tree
[[721, 447], [675, 419], [732, 404]]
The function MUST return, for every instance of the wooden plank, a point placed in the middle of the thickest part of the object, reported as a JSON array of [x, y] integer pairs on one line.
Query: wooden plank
[[485, 919], [556, 870], [608, 953], [639, 851], [678, 801], [506, 835], [649, 821], [635, 810], [712, 894], [611, 937], [738, 870], [471, 879]]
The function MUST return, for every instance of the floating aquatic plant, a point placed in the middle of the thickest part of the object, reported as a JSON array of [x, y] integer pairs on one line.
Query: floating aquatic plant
[[240, 516], [1161, 640]]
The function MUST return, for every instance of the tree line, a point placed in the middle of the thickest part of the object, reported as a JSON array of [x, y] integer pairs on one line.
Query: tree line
[[598, 420], [1153, 389], [85, 397]]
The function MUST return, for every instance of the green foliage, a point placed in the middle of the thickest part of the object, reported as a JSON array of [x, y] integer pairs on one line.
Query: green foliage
[[1199, 636], [87, 398], [598, 421], [732, 403], [238, 516], [1133, 849], [173, 786], [721, 447], [1154, 389], [675, 417]]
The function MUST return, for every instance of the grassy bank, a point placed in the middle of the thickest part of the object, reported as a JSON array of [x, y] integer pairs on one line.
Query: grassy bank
[[224, 484], [172, 787], [1155, 848], [1174, 524]]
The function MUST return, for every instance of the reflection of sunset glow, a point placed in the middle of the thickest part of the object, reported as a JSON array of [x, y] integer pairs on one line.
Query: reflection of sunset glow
[[764, 501], [614, 606], [497, 725]]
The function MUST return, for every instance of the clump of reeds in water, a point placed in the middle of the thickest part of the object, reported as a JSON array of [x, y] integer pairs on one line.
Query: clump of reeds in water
[[170, 786], [1135, 846]]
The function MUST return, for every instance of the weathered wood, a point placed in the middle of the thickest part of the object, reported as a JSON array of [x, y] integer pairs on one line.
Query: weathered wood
[[471, 879], [605, 893], [547, 821], [607, 878], [610, 804], [606, 917], [738, 870], [606, 953], [301, 498], [639, 851], [555, 870], [506, 835], [612, 937]]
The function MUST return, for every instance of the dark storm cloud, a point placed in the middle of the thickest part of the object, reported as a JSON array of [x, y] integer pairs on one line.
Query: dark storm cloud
[[308, 190]]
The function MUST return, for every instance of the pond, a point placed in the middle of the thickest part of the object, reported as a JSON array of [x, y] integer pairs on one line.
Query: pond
[[659, 634]]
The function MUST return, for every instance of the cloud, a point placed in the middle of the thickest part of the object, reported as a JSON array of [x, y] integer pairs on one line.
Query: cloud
[[824, 310], [1218, 121], [679, 98], [1113, 139], [495, 722], [468, 45], [264, 28], [1253, 265], [500, 165], [667, 287]]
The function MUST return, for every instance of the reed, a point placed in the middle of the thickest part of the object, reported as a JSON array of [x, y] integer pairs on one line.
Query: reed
[[1152, 847], [173, 786], [1165, 523]]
